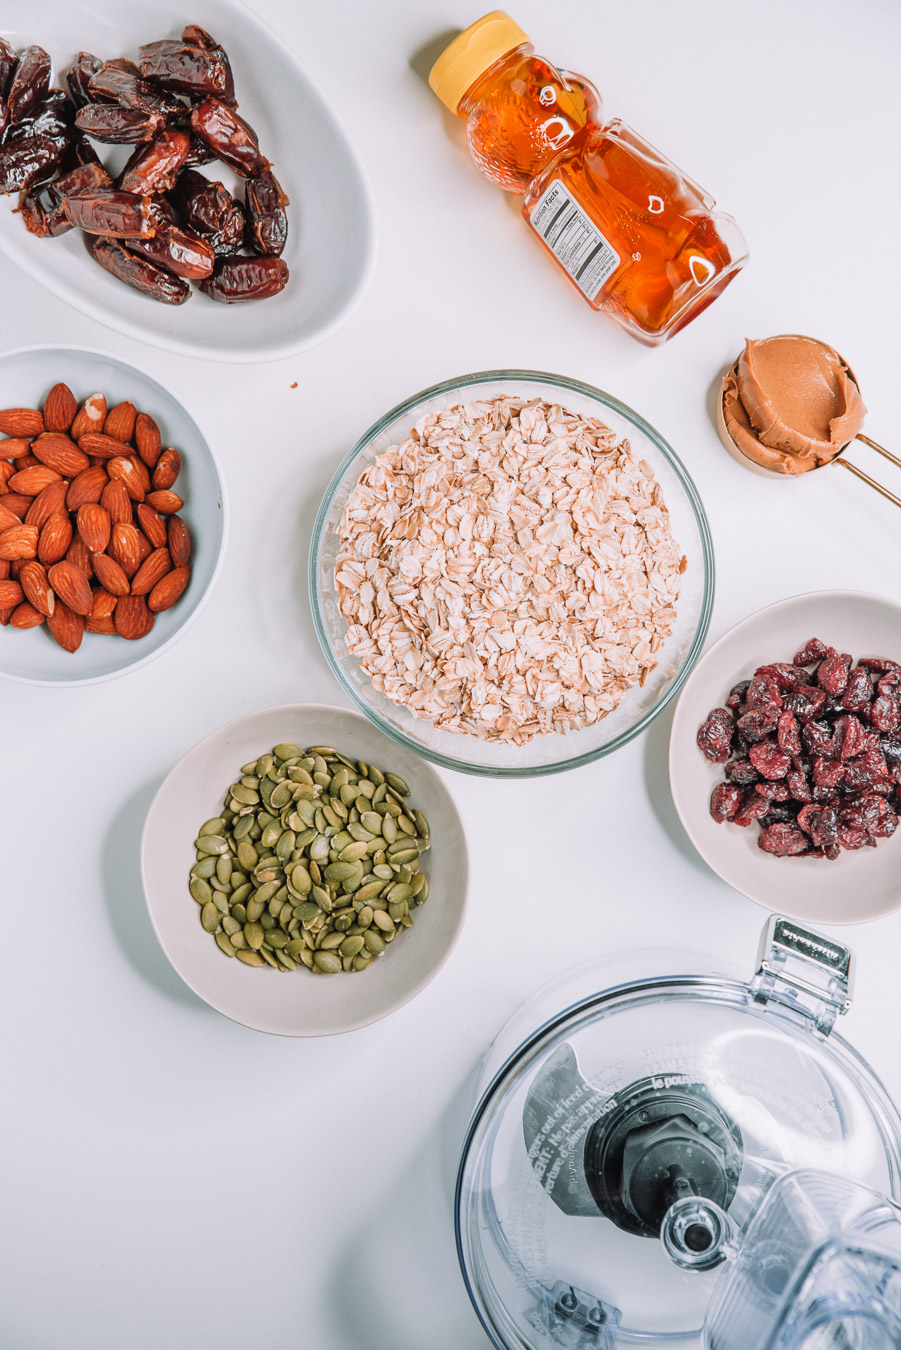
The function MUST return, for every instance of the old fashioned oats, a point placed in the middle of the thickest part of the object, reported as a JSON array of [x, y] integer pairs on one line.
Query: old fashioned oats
[[508, 570]]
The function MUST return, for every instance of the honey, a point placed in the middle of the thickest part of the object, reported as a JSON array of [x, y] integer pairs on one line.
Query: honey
[[639, 239]]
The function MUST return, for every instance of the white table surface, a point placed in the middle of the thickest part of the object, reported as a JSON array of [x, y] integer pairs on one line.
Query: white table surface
[[172, 1179]]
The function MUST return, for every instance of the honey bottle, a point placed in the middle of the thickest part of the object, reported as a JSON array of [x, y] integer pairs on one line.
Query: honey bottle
[[640, 240]]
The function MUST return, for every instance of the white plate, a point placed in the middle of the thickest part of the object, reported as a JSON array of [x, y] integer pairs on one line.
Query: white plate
[[331, 235], [855, 887], [26, 376], [298, 1003]]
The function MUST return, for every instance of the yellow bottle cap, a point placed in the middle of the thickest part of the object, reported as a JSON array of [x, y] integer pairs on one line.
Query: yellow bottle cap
[[471, 54]]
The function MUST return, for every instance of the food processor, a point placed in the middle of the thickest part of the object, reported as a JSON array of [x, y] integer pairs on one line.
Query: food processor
[[688, 1161]]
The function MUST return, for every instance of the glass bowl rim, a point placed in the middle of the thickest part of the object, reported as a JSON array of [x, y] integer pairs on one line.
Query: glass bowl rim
[[563, 382]]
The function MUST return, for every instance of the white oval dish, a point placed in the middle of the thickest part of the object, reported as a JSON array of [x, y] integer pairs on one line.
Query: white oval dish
[[298, 1003], [26, 377], [857, 886], [331, 232]]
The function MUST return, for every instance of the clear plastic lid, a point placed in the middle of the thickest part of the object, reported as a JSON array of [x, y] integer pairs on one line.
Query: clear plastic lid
[[678, 1099]]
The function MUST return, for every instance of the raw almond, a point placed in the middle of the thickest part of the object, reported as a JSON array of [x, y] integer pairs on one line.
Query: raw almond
[[179, 540], [17, 504], [38, 591], [67, 627], [110, 574], [26, 616], [58, 452], [102, 446], [171, 588], [167, 469], [24, 462], [103, 603], [120, 422], [59, 408], [50, 502], [14, 448], [152, 524], [29, 482], [71, 585], [8, 520], [6, 473], [21, 422], [147, 439], [164, 501], [86, 487], [90, 416], [132, 617], [131, 472], [94, 526], [77, 554], [125, 547], [5, 616], [56, 536], [19, 541], [4, 569], [152, 570], [11, 594], [116, 501], [102, 623]]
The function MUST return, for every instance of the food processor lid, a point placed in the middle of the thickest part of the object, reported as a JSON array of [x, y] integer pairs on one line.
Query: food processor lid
[[616, 1158]]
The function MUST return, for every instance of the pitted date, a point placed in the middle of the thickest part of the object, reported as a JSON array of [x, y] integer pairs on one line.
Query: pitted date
[[121, 81], [29, 83], [155, 166], [237, 280], [115, 125], [199, 37], [8, 62], [210, 211], [140, 274], [52, 121], [178, 251], [198, 153], [229, 137], [79, 76], [186, 68], [44, 209], [267, 223], [25, 163], [120, 215]]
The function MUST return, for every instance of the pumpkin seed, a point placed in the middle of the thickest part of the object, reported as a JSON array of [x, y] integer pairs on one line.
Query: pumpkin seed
[[250, 958], [327, 962], [224, 945], [200, 890], [209, 917]]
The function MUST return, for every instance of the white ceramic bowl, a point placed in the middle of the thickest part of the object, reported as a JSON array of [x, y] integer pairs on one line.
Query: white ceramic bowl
[[298, 1003], [26, 376], [331, 234], [859, 885]]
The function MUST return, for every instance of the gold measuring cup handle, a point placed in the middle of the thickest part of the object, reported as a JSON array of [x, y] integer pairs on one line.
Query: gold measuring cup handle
[[859, 473]]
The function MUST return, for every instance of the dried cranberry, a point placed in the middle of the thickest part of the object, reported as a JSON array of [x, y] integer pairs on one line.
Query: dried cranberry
[[858, 691], [868, 771], [715, 736], [789, 735], [758, 722], [878, 664], [737, 694], [850, 737], [891, 750], [773, 791], [827, 773], [779, 813], [724, 801], [798, 786], [752, 807], [885, 713], [769, 760], [890, 682], [762, 691], [818, 738], [785, 676], [805, 701], [783, 840], [812, 652], [740, 744], [741, 771], [821, 823], [832, 674], [852, 839]]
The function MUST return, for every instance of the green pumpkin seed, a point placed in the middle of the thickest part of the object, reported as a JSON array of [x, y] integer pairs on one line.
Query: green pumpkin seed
[[211, 844], [287, 750], [223, 944], [301, 879], [327, 962], [364, 918], [200, 891], [240, 913], [230, 924], [382, 920], [330, 941], [351, 946], [209, 917], [397, 783], [285, 960], [250, 958], [253, 935], [373, 942]]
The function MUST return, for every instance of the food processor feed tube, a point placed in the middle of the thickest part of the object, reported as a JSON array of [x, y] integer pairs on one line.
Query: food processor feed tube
[[639, 239], [690, 1160]]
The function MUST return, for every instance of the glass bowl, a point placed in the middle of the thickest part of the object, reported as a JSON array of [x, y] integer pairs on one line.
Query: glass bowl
[[556, 751]]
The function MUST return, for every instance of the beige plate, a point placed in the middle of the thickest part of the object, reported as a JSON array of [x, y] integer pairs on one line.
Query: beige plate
[[298, 1003], [862, 885]]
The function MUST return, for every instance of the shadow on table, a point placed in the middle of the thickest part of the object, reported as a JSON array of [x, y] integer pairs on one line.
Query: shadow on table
[[124, 896], [397, 1285]]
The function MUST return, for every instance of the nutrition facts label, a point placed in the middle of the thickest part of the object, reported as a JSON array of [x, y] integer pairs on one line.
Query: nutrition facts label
[[573, 239]]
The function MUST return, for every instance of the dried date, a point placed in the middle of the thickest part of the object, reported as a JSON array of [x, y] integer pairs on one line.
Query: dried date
[[120, 215], [140, 274], [230, 138], [209, 211], [198, 37], [8, 62], [121, 82], [186, 68], [43, 209], [79, 76], [24, 163], [237, 280], [178, 251], [29, 84], [267, 223], [114, 125], [154, 167]]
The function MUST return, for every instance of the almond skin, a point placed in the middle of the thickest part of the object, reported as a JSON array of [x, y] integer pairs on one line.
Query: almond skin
[[29, 482], [58, 452], [90, 416], [50, 502], [5, 616], [103, 603], [86, 487], [102, 623], [77, 554], [167, 469], [71, 585], [17, 504], [26, 616], [59, 408], [6, 473], [19, 541], [21, 422], [128, 471], [38, 591], [152, 569], [132, 618], [179, 539], [115, 499], [11, 594], [147, 439], [67, 627], [152, 524], [7, 519], [94, 526], [15, 448], [56, 536], [110, 574], [164, 501], [172, 587], [120, 422], [102, 446], [125, 547]]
